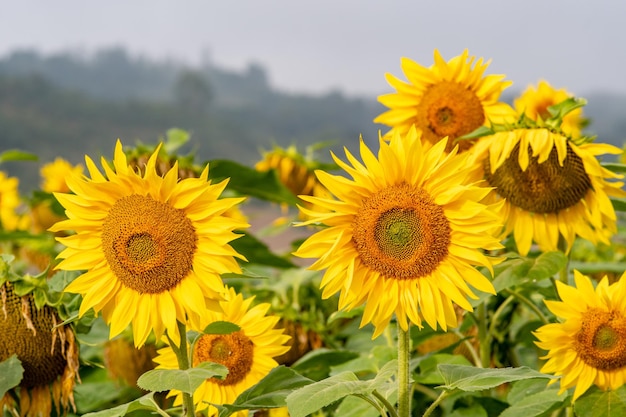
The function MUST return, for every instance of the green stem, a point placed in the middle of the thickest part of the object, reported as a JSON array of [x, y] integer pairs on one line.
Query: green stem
[[483, 336], [530, 304], [435, 403], [386, 403], [404, 391], [182, 355]]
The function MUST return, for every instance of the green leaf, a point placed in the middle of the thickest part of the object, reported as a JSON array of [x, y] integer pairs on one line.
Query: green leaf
[[599, 403], [248, 181], [327, 391], [521, 270], [258, 252], [11, 372], [186, 381], [143, 403], [531, 398], [269, 392], [356, 407], [474, 410], [429, 371], [547, 265], [614, 166], [175, 138], [316, 364], [470, 378], [561, 109], [598, 267], [17, 155], [221, 327], [619, 205]]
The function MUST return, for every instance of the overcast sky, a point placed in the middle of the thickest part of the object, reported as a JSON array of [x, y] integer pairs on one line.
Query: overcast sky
[[316, 46]]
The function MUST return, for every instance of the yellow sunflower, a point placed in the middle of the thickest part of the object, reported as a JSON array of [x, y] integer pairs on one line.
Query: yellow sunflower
[[404, 234], [54, 175], [10, 218], [534, 102], [551, 187], [247, 353], [447, 99], [588, 345], [153, 247]]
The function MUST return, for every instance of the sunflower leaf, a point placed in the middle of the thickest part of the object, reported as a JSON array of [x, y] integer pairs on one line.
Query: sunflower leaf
[[531, 398], [269, 392], [248, 181], [221, 327], [187, 380], [11, 372], [470, 378], [142, 403], [546, 265], [599, 403], [17, 155], [258, 252], [316, 364]]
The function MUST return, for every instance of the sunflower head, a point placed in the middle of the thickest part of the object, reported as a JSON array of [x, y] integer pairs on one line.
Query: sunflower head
[[248, 353], [54, 174], [535, 103], [46, 349], [448, 99], [399, 238], [153, 246], [588, 345], [552, 185]]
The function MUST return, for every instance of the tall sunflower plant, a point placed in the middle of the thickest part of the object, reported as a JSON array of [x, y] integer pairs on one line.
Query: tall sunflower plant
[[468, 261]]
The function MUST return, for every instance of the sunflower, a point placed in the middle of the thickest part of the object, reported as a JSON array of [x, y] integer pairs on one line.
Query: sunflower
[[551, 186], [534, 103], [153, 247], [46, 349], [247, 353], [588, 345], [447, 99], [404, 234], [10, 218], [54, 174]]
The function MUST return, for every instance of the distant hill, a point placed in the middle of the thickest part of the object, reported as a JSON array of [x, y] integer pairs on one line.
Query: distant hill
[[69, 105]]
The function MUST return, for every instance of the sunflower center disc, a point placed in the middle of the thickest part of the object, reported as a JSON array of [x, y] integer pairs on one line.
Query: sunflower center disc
[[544, 187], [401, 233], [235, 351], [601, 341], [149, 245], [449, 109]]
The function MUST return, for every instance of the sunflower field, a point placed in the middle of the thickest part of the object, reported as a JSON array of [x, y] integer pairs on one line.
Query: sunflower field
[[468, 265]]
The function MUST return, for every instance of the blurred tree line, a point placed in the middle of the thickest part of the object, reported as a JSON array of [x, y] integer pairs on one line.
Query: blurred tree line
[[71, 105]]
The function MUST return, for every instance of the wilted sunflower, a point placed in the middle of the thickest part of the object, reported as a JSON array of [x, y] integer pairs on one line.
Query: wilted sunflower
[[588, 346], [10, 218], [534, 102], [551, 187], [153, 247], [447, 99], [47, 351], [247, 353], [404, 235]]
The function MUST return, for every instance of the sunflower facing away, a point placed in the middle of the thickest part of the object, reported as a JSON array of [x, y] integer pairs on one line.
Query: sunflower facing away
[[404, 234], [534, 102], [46, 349], [588, 346], [247, 353], [153, 247], [551, 186], [447, 99]]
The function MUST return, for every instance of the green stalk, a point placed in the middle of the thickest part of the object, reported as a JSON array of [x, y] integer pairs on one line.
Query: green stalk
[[404, 388], [483, 336], [435, 404], [182, 355]]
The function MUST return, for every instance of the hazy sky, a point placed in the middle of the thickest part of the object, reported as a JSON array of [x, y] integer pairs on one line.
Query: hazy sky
[[315, 46]]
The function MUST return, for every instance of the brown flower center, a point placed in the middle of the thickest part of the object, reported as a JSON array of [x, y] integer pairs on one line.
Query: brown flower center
[[401, 233], [601, 340], [235, 351], [148, 244], [543, 187], [449, 109]]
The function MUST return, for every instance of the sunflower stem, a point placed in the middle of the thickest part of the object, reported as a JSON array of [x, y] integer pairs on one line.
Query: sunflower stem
[[404, 386], [386, 403], [530, 304], [483, 336], [182, 355], [435, 403]]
